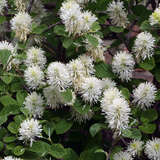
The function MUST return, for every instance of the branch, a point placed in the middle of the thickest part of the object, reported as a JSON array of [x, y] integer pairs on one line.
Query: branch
[[30, 6]]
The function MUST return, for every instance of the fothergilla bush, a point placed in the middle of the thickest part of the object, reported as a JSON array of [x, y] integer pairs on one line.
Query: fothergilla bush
[[79, 80]]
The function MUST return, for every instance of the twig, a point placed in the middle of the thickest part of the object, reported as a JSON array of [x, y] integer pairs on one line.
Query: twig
[[51, 26], [30, 6]]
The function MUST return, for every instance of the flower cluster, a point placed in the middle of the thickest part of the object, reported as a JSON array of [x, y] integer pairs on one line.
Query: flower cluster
[[123, 65], [155, 17], [3, 3], [76, 21], [117, 14], [11, 158], [116, 109], [21, 24], [144, 95], [29, 130]]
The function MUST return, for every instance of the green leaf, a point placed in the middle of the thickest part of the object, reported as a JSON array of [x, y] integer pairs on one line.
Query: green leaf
[[116, 149], [80, 107], [60, 30], [3, 119], [63, 126], [7, 100], [95, 128], [116, 29], [148, 64], [158, 95], [40, 147], [38, 29], [7, 79], [13, 127], [93, 40], [132, 133], [67, 43], [95, 27], [125, 92], [148, 128], [70, 154], [149, 115], [145, 26], [103, 70], [57, 151], [2, 19], [67, 95], [20, 96], [4, 56], [1, 146], [157, 74], [49, 128], [9, 139], [18, 150]]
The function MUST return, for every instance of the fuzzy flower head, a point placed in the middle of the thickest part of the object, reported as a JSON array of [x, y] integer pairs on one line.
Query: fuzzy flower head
[[84, 1], [34, 104], [29, 130], [118, 14], [144, 46], [58, 76], [108, 96], [122, 156], [3, 3], [107, 83], [71, 16], [135, 147], [11, 158], [118, 114], [87, 61], [123, 65], [155, 17], [152, 149], [34, 76], [91, 90], [88, 20], [35, 56], [21, 25], [97, 53], [144, 95], [53, 97], [77, 72]]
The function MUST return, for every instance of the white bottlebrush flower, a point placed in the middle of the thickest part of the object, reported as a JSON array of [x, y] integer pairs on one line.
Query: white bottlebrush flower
[[123, 65], [81, 118], [20, 5], [3, 3], [34, 76], [53, 97], [29, 130], [77, 72], [87, 61], [71, 16], [91, 90], [21, 24], [108, 96], [118, 114], [152, 149], [135, 147], [118, 14], [88, 20], [155, 17], [35, 56], [122, 156], [11, 158], [58, 76], [96, 52], [4, 45], [144, 46], [107, 83], [34, 104], [144, 95]]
